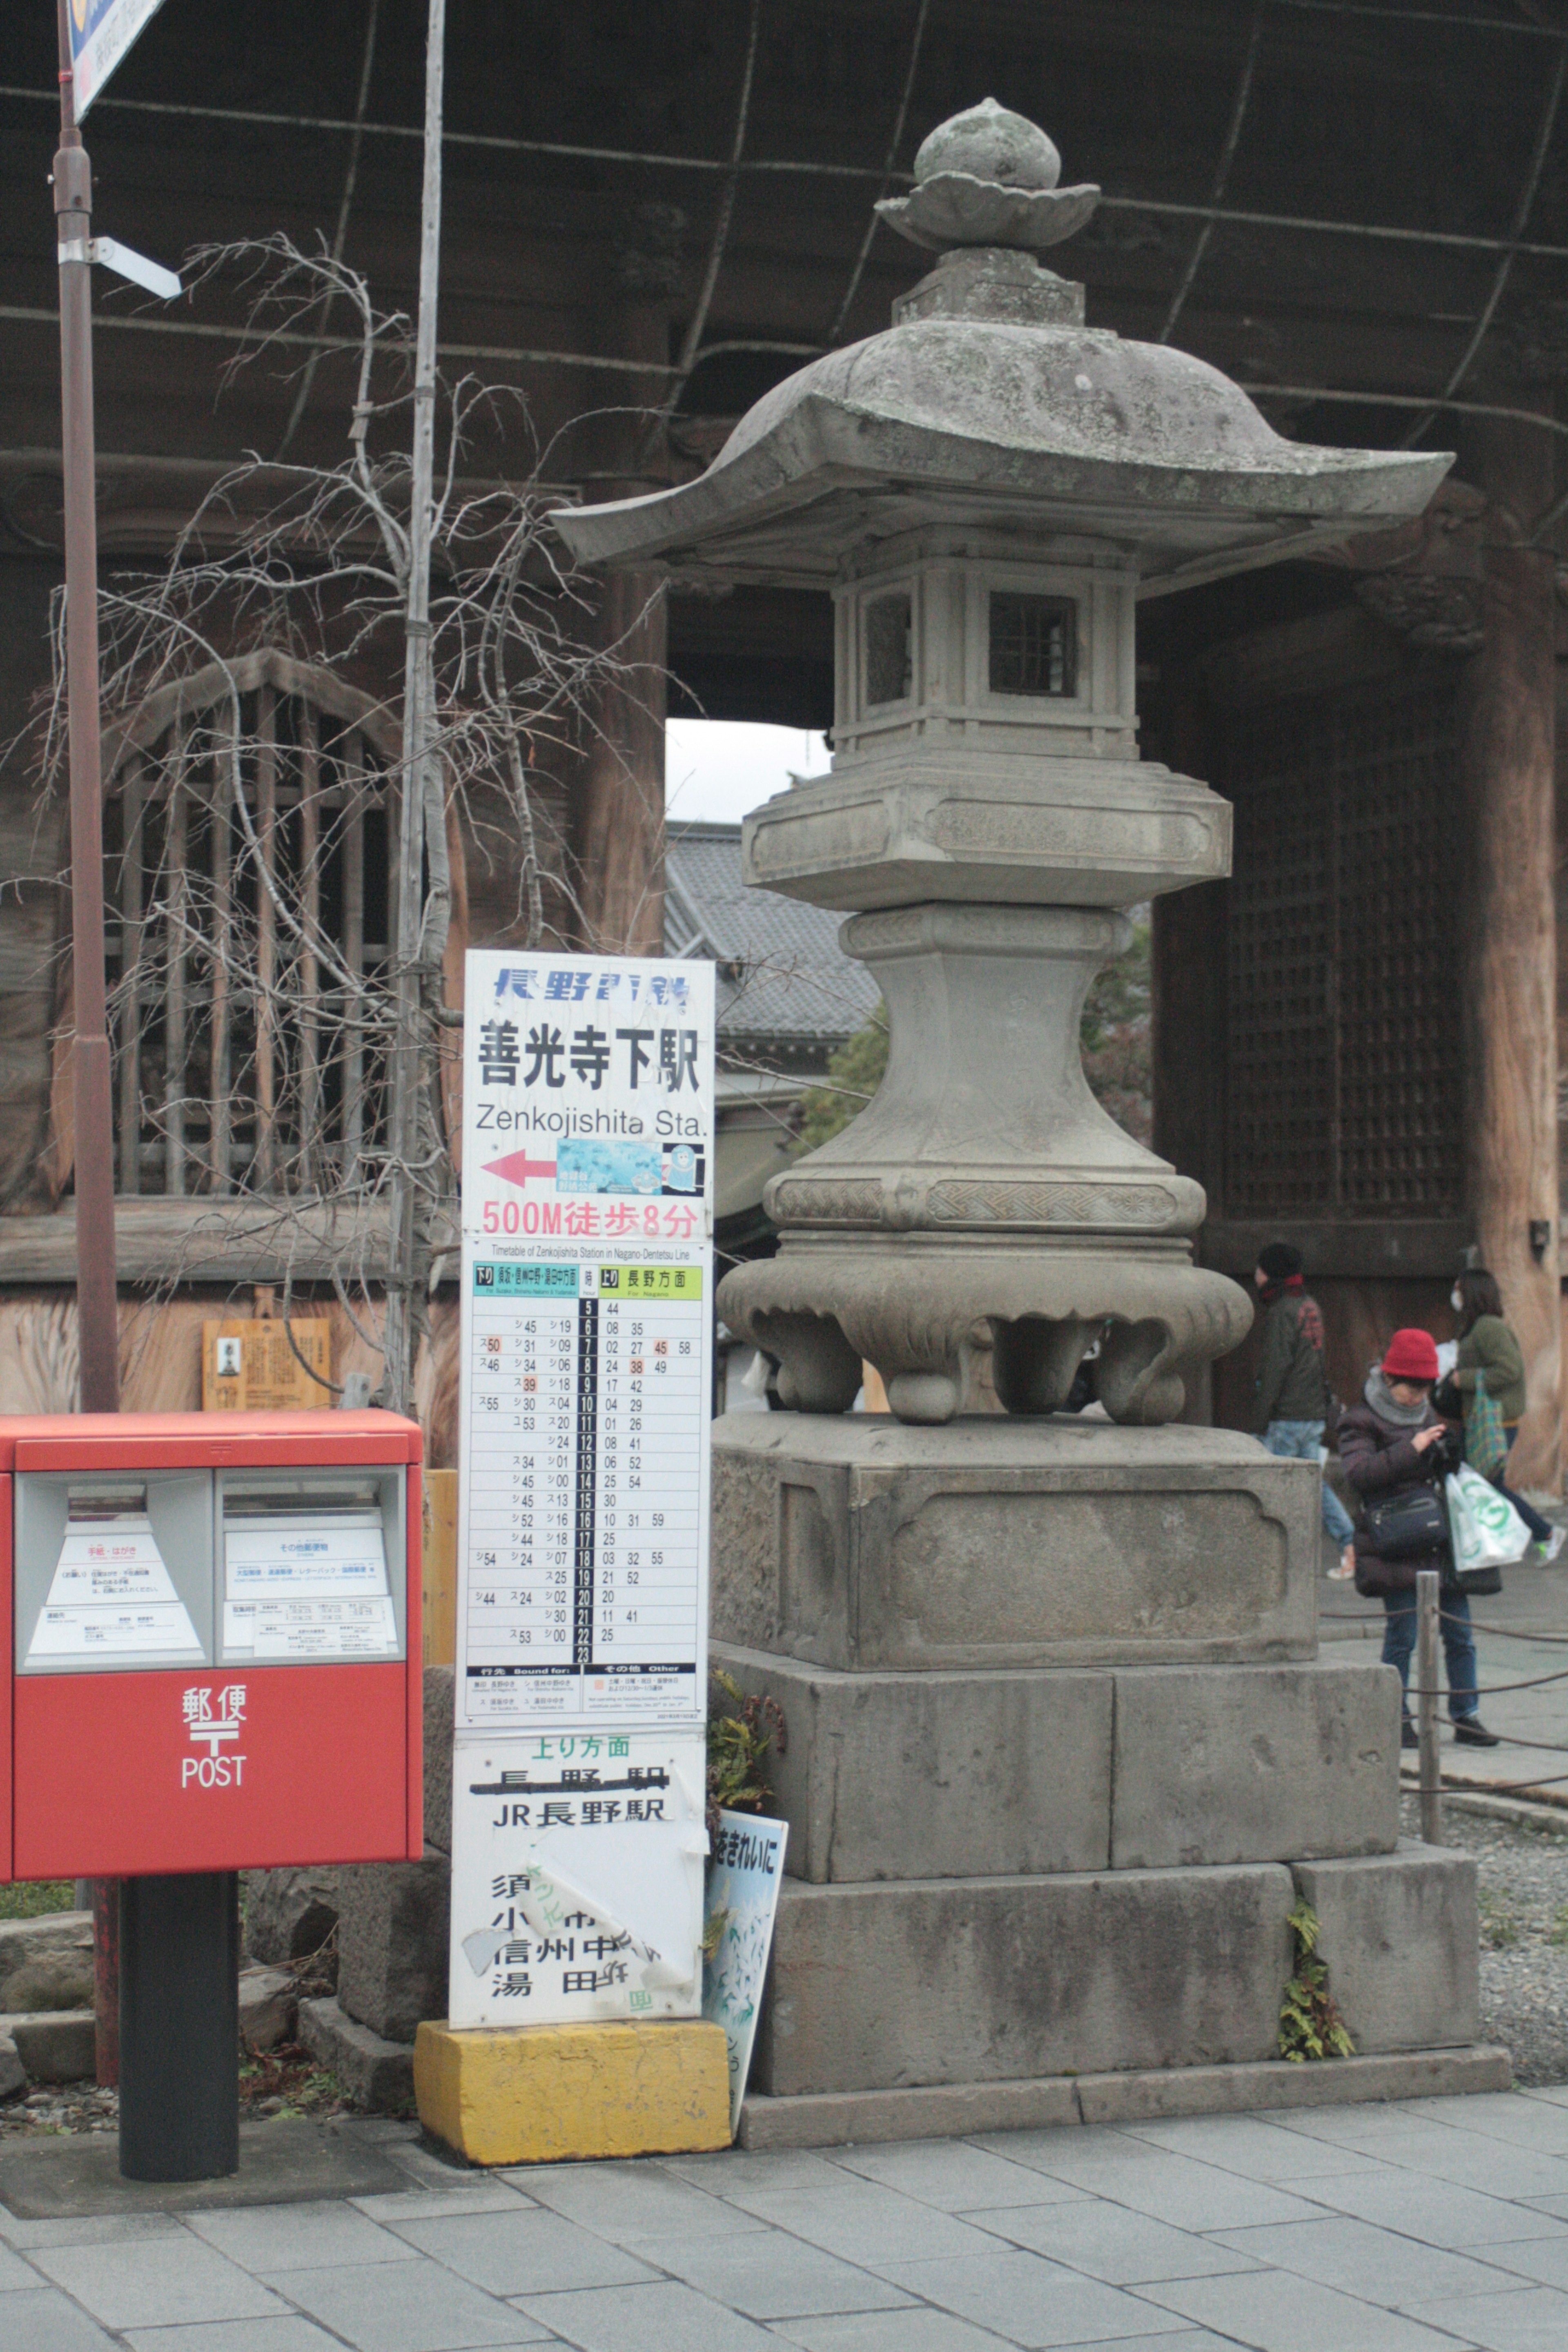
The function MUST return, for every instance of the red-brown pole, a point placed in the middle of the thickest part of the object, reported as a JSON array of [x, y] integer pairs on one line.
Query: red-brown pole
[[98, 1336]]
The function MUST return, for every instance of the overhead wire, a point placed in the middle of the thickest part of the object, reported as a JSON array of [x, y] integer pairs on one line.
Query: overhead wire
[[339, 234], [893, 145], [1548, 123], [1222, 172]]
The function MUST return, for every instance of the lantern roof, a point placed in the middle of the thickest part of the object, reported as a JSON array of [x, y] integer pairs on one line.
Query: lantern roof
[[989, 406]]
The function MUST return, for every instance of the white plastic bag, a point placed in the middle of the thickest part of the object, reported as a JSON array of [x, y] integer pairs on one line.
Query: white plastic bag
[[1488, 1532]]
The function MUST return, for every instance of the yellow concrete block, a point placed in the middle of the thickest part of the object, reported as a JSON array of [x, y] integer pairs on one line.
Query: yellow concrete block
[[539, 2094]]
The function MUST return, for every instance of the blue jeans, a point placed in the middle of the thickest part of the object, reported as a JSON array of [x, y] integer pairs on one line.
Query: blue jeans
[[1301, 1440], [1459, 1645], [1540, 1528]]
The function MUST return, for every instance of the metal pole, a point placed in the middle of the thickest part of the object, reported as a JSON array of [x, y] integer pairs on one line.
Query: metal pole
[[179, 2088], [97, 1336], [1426, 1705], [418, 701]]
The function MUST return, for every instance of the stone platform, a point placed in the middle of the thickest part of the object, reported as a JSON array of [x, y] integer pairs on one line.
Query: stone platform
[[1061, 1758]]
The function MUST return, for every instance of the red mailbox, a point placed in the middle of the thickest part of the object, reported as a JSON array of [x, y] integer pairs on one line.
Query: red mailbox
[[216, 1644]]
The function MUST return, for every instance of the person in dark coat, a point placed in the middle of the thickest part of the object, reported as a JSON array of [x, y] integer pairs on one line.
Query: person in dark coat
[[1292, 1376], [1387, 1446]]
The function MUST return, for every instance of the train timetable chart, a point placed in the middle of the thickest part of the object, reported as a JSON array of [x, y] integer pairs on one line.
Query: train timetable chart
[[587, 1347], [584, 1598]]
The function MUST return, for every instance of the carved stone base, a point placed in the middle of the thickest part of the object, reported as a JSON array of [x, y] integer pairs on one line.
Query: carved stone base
[[915, 1308]]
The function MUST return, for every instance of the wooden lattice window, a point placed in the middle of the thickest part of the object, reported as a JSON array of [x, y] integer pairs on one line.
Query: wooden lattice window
[[246, 1060], [1344, 1077]]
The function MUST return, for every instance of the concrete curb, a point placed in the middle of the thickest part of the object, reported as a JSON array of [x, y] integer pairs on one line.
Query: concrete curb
[[935, 2111]]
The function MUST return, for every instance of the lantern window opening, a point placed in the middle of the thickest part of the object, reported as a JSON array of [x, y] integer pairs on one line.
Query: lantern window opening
[[888, 632], [1033, 645]]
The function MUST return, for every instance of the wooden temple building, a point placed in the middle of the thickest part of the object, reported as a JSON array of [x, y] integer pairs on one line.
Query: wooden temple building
[[653, 212]]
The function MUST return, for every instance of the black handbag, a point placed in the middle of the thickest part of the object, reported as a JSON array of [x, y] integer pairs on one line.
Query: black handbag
[[1404, 1526]]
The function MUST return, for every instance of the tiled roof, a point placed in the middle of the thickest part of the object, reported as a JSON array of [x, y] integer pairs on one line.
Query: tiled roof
[[781, 973]]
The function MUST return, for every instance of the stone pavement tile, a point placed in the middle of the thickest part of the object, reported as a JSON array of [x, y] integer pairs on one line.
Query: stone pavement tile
[[769, 2275], [405, 2307], [1243, 2144], [1533, 2321], [729, 2170], [626, 2202], [1543, 2260], [297, 2237], [1273, 2311], [866, 2223], [953, 2175], [1111, 2243], [1373, 2264], [523, 2253], [88, 2229], [16, 2273], [1030, 2301], [1504, 2115], [291, 2334], [664, 2318], [481, 2196], [45, 2322], [1471, 2162], [1175, 2188], [155, 2282], [890, 2331], [1438, 2212], [1553, 2094], [1367, 2127]]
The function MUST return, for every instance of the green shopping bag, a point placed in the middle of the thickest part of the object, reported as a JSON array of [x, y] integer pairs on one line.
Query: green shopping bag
[[1486, 1446]]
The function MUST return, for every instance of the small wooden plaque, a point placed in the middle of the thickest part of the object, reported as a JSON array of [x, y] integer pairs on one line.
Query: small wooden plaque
[[247, 1366]]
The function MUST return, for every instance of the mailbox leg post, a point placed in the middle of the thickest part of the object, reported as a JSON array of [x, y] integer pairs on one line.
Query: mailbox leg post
[[179, 2027]]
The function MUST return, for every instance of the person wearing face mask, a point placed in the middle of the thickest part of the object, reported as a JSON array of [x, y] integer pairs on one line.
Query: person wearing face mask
[[1490, 1357], [1292, 1377], [1391, 1444]]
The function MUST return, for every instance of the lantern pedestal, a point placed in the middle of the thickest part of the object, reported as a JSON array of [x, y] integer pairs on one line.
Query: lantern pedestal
[[1061, 1758]]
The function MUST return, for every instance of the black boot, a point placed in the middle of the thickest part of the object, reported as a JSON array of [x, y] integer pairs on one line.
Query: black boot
[[1471, 1732], [1407, 1738]]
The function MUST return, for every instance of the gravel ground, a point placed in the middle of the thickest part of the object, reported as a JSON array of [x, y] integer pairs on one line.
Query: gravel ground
[[1523, 1875]]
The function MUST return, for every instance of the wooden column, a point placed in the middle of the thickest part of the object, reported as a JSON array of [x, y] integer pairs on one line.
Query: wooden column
[[620, 796], [1508, 1003], [618, 828]]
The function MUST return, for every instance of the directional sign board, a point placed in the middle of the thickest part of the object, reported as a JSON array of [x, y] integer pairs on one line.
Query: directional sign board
[[587, 1279], [101, 33]]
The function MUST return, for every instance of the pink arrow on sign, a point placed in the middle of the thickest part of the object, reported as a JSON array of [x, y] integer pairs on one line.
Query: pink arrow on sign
[[517, 1168]]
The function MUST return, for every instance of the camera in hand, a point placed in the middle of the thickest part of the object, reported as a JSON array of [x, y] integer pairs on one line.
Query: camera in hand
[[1446, 1455]]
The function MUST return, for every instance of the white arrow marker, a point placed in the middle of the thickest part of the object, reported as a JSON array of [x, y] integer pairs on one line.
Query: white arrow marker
[[125, 263]]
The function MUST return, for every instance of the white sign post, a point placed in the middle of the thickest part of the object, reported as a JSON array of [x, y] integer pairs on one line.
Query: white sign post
[[578, 1778], [102, 32]]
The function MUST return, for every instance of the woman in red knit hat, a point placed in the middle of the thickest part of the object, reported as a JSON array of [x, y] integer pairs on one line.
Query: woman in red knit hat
[[1389, 1446]]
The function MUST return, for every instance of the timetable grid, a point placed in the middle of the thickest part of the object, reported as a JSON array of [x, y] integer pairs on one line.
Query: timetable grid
[[583, 1526]]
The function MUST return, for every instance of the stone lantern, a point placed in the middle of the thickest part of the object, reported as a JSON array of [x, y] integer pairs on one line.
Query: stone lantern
[[987, 489], [1062, 1755]]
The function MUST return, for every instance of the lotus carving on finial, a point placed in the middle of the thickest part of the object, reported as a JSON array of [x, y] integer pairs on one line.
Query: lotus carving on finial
[[988, 176]]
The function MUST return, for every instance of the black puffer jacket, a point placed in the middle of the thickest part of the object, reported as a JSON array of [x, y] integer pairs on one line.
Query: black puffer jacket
[[1379, 1459]]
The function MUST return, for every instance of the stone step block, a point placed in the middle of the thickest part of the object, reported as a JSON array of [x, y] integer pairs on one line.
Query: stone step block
[[940, 1774], [46, 1963], [394, 1933], [1401, 1935], [937, 1775], [970, 1981], [854, 1542], [54, 2045], [377, 2074], [1219, 1764]]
